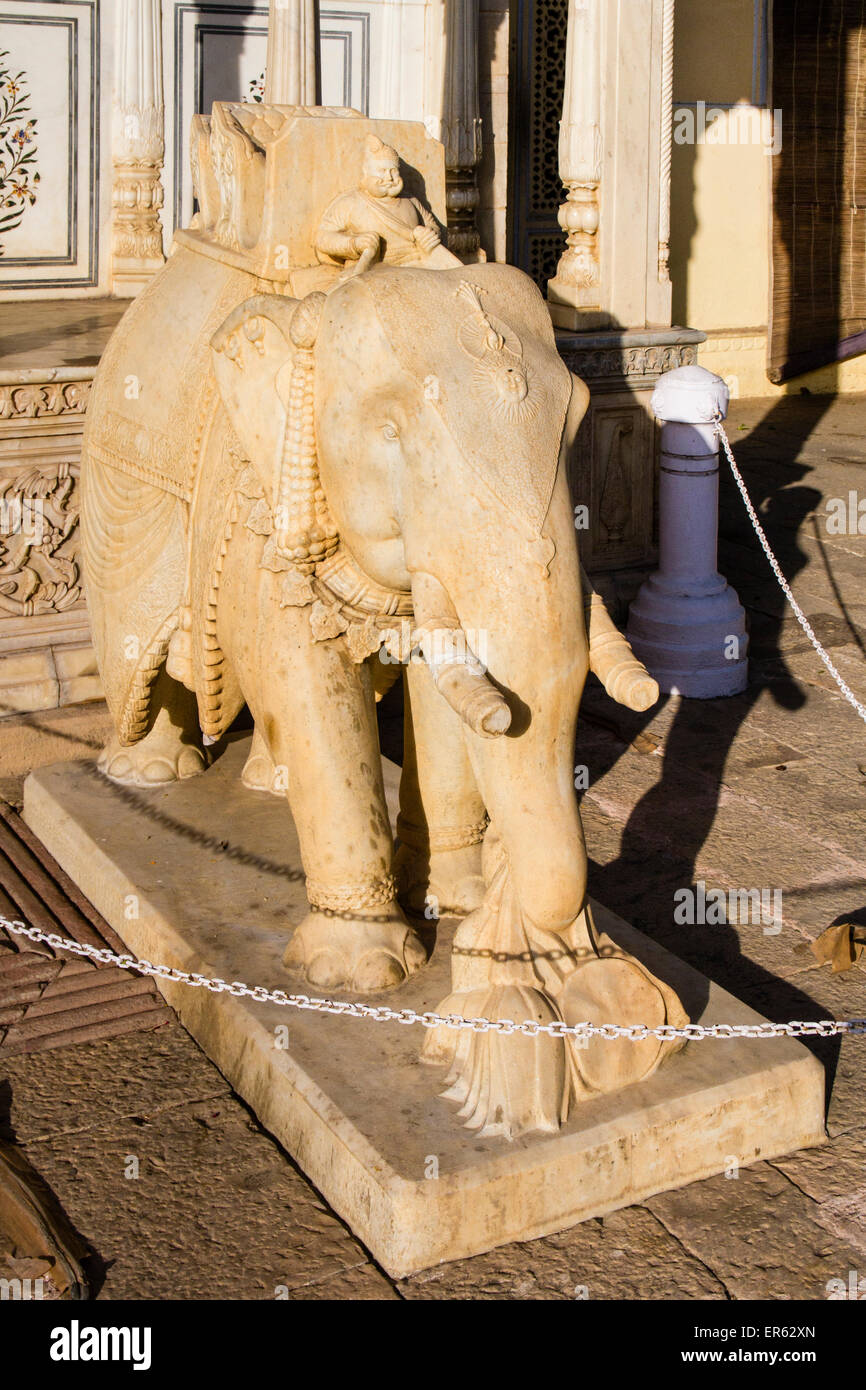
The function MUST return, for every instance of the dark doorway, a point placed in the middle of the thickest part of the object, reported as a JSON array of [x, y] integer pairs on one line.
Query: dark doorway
[[537, 85]]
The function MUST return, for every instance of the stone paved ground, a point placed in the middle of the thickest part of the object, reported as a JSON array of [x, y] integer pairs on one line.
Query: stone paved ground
[[765, 790]]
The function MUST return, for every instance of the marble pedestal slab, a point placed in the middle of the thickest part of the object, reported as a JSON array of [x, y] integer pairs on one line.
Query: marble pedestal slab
[[212, 871]]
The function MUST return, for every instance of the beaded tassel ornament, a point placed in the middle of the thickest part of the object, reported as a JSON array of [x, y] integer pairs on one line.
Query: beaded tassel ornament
[[305, 530]]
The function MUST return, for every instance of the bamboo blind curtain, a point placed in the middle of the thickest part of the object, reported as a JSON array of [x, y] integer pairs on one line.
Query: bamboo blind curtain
[[818, 298]]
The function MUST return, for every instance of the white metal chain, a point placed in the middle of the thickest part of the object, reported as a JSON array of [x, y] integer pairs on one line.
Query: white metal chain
[[380, 1013], [786, 588]]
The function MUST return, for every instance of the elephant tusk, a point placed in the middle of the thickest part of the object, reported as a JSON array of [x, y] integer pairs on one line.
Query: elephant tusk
[[461, 678], [476, 700], [457, 673], [611, 659]]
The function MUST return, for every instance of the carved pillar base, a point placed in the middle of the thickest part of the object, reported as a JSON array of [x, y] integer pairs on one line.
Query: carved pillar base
[[452, 116], [574, 292], [462, 199], [138, 146], [577, 285], [613, 472], [561, 295], [615, 162]]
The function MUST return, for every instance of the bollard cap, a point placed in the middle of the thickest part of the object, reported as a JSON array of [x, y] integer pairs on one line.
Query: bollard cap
[[690, 396]]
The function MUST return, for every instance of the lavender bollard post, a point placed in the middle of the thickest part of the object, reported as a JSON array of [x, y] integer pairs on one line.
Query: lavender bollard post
[[687, 625]]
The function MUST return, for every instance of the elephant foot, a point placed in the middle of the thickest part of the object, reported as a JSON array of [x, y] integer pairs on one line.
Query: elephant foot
[[361, 954], [155, 760], [260, 772], [442, 884]]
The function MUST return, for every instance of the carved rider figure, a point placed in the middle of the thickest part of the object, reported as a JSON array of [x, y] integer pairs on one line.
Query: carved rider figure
[[374, 222]]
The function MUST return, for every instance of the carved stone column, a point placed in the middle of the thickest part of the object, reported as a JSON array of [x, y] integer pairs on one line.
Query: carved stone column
[[611, 296], [139, 147], [292, 75], [452, 114], [667, 135], [576, 285], [392, 98], [615, 163]]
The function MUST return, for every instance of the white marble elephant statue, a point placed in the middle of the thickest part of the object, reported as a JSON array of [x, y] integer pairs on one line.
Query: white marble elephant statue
[[367, 474]]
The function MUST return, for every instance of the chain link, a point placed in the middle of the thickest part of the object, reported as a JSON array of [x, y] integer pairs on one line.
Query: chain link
[[774, 564], [380, 1013]]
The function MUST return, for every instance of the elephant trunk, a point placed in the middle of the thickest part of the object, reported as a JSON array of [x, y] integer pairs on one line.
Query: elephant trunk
[[527, 784]]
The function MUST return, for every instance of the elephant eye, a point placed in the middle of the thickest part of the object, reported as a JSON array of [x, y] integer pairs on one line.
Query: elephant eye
[[390, 432]]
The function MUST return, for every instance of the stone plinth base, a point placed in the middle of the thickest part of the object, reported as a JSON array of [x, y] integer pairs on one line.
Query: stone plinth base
[[205, 875]]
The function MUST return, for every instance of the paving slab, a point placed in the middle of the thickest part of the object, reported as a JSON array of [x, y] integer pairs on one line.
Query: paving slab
[[757, 1235], [132, 1077], [198, 1203], [626, 1255], [832, 1172], [31, 740]]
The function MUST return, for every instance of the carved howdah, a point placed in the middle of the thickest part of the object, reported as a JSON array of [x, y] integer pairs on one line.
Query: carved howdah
[[321, 451]]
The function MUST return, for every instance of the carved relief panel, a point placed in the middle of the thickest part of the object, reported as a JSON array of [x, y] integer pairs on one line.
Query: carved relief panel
[[46, 658], [614, 471], [613, 479]]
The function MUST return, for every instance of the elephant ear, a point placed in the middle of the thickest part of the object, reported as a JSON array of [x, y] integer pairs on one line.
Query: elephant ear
[[252, 358]]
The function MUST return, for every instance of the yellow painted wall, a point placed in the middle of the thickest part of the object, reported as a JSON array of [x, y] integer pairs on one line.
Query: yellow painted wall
[[720, 233], [720, 197]]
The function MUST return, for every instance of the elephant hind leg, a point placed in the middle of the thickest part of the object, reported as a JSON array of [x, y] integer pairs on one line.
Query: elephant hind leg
[[362, 950], [315, 710], [170, 750]]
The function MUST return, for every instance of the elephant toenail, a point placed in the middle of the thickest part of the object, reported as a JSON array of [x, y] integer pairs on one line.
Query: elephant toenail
[[190, 762], [414, 954], [377, 970], [293, 956], [326, 969], [159, 771]]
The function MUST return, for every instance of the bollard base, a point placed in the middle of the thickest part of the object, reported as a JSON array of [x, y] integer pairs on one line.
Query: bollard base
[[205, 875], [708, 683], [693, 644]]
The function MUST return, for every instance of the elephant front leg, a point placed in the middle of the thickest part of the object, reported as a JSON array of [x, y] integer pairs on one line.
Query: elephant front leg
[[315, 710], [442, 816]]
